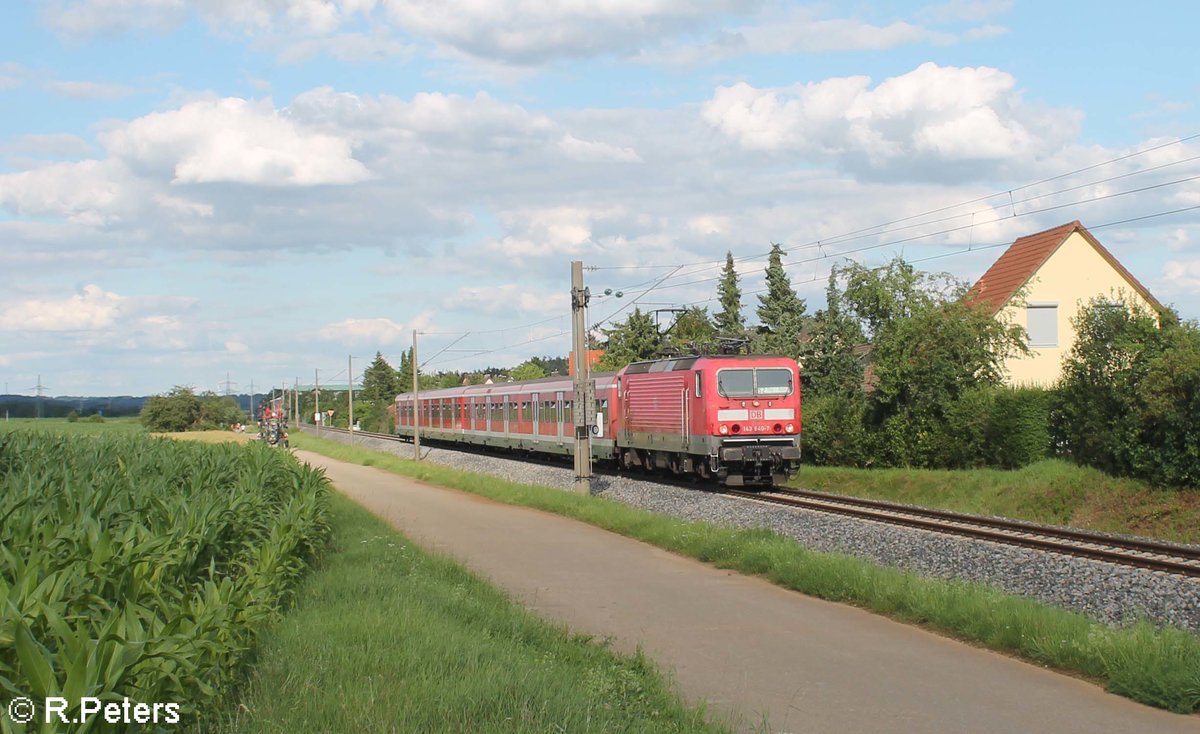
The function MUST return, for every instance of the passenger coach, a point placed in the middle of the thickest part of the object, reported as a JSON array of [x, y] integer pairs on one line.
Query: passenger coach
[[729, 418]]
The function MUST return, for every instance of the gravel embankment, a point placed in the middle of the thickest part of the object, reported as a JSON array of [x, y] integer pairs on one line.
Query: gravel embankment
[[1105, 591]]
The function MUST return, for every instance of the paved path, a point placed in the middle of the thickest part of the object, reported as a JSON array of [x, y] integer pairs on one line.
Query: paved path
[[740, 643]]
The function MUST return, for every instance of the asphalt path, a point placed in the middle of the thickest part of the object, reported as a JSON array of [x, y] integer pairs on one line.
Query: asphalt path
[[752, 651]]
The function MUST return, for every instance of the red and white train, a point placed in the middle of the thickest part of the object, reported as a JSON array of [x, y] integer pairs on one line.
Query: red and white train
[[735, 419]]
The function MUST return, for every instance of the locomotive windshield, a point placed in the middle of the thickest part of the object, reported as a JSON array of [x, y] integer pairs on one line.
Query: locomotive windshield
[[744, 383]]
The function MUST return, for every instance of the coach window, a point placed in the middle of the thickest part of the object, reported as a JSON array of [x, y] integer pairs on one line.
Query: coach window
[[698, 382], [568, 416]]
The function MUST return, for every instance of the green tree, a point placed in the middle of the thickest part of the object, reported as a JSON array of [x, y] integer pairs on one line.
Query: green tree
[[693, 330], [1129, 399], [528, 370], [780, 310], [176, 411], [830, 364], [380, 385], [924, 363], [405, 371], [729, 321], [217, 411], [884, 295], [636, 339]]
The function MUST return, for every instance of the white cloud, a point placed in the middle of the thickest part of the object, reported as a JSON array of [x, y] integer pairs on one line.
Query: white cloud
[[707, 224], [235, 140], [93, 308], [94, 193], [930, 115], [795, 31], [183, 207], [1182, 276], [234, 346], [89, 17], [593, 150], [90, 90], [528, 32], [12, 75], [351, 47], [373, 332], [48, 145], [508, 298], [972, 11]]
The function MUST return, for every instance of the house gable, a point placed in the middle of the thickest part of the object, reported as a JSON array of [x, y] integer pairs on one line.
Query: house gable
[[1058, 272], [1026, 256]]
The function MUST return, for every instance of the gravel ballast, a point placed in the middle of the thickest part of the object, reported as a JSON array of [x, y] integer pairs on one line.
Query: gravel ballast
[[1110, 593]]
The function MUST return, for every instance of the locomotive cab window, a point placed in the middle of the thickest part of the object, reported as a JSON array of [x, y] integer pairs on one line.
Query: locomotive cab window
[[755, 382], [768, 382], [735, 383]]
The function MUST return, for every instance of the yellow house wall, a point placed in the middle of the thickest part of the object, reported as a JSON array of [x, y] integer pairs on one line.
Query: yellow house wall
[[1074, 274]]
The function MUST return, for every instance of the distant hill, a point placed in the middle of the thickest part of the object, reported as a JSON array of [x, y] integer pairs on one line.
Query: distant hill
[[24, 406]]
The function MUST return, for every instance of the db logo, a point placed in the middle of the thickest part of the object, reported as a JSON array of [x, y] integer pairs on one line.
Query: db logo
[[756, 415]]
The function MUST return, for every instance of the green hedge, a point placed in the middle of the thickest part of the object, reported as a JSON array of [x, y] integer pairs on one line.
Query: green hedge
[[988, 426], [1129, 401]]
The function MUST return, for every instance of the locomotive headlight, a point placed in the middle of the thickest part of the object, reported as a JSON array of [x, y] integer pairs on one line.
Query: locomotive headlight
[[789, 428], [724, 429]]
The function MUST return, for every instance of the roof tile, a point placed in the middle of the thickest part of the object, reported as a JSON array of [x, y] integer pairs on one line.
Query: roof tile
[[1026, 255]]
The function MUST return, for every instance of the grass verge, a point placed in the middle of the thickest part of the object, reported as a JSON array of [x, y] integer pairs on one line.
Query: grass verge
[[385, 637], [1051, 491], [1156, 667]]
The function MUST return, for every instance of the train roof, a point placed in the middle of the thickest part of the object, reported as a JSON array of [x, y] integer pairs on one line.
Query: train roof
[[687, 363], [517, 386], [604, 379]]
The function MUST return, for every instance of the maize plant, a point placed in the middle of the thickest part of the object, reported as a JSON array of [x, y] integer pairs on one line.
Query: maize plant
[[144, 568]]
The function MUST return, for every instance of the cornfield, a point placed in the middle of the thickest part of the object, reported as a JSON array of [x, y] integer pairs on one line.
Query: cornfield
[[144, 568]]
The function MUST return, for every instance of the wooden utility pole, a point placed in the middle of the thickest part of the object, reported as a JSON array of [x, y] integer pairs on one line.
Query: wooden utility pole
[[350, 392], [416, 392], [317, 398], [296, 402], [583, 403]]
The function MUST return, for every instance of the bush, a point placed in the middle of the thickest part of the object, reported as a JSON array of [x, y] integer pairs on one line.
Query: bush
[[1003, 428], [1129, 401], [72, 417], [834, 431]]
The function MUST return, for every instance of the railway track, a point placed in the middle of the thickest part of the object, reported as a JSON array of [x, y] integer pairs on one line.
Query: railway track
[[1137, 552], [1142, 553]]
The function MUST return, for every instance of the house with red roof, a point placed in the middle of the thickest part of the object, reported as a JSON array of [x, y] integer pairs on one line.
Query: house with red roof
[[1041, 282]]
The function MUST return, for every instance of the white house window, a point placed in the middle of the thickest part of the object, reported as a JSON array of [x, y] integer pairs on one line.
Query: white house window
[[1042, 320]]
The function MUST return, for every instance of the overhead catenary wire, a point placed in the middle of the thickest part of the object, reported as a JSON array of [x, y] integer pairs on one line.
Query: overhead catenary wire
[[656, 285], [683, 270], [833, 239], [951, 230]]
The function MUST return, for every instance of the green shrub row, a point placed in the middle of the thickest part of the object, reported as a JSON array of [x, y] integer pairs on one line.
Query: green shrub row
[[1129, 400], [140, 567], [985, 427]]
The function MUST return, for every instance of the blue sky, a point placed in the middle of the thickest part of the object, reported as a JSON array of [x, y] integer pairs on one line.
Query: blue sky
[[259, 188]]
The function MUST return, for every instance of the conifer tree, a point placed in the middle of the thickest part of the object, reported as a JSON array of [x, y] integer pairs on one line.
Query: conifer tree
[[729, 321], [780, 310], [404, 372]]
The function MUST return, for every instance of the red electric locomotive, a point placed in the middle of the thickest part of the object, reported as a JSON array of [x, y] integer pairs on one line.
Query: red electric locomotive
[[729, 418]]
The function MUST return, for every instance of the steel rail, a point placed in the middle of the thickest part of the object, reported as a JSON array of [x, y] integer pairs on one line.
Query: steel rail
[[1164, 557]]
